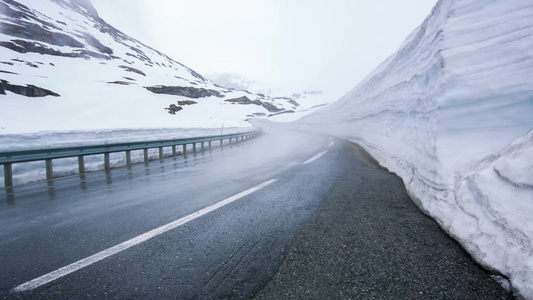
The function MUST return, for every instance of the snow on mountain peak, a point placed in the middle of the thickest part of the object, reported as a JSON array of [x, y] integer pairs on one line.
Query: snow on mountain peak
[[102, 78]]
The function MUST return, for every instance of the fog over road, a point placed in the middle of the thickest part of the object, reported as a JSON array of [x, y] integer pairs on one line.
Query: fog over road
[[219, 224], [231, 251]]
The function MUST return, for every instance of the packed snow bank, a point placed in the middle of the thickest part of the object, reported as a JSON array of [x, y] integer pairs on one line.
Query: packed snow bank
[[35, 171], [457, 92]]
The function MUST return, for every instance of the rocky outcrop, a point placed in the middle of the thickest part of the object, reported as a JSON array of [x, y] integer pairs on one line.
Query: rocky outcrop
[[187, 102], [133, 70], [28, 90], [185, 91], [245, 100], [173, 109]]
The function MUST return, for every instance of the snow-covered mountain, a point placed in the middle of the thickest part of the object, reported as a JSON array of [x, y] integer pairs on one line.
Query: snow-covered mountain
[[63, 68], [442, 113]]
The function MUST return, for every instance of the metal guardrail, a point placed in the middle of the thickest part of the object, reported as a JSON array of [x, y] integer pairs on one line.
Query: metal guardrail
[[9, 158]]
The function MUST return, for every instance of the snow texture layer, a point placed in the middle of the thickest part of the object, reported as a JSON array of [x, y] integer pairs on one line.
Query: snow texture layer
[[102, 76], [450, 113]]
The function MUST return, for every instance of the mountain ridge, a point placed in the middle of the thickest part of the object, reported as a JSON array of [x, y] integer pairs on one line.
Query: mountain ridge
[[42, 42]]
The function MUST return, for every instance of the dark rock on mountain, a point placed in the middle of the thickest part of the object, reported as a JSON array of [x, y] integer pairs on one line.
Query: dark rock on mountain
[[91, 40], [173, 109], [28, 90], [120, 82], [271, 107], [25, 46], [133, 70], [187, 102], [290, 100], [185, 91], [245, 100]]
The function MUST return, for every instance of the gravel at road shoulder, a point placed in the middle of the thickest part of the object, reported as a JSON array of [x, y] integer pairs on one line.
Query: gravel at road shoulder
[[368, 240]]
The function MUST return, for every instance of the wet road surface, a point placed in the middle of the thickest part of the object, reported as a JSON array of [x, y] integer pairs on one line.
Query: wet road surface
[[230, 252], [224, 222]]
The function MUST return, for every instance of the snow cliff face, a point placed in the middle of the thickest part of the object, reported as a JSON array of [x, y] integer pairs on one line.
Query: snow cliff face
[[459, 90], [93, 76]]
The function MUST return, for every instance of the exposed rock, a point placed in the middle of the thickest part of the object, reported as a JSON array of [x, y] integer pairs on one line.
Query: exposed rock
[[245, 100], [32, 31], [28, 90], [290, 100], [120, 82], [25, 46], [185, 91], [187, 102], [91, 40], [130, 69], [271, 107], [173, 109]]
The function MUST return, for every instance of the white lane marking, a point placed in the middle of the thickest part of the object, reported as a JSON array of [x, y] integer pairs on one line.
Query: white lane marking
[[37, 282], [331, 144], [315, 157]]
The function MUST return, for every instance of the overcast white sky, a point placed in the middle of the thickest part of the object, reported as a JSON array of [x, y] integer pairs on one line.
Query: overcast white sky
[[283, 45]]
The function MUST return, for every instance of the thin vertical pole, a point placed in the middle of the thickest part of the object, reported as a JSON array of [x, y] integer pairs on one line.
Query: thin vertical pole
[[106, 161], [128, 158], [81, 164], [160, 152], [49, 170], [8, 175], [145, 156]]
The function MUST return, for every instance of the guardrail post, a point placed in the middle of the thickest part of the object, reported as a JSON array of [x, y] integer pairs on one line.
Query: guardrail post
[[81, 164], [8, 175], [145, 155], [49, 170], [174, 150], [209, 145], [194, 147], [128, 158], [185, 150], [202, 147], [106, 161], [160, 152], [221, 143]]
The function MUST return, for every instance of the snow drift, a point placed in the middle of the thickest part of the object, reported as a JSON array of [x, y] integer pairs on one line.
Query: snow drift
[[450, 112]]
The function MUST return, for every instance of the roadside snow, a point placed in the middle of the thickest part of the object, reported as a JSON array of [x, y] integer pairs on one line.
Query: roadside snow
[[450, 113], [35, 171]]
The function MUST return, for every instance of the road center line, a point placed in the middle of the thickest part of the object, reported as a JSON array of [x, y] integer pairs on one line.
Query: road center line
[[331, 144], [315, 157], [37, 282]]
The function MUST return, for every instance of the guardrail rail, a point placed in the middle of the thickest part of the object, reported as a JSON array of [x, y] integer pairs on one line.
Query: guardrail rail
[[10, 158]]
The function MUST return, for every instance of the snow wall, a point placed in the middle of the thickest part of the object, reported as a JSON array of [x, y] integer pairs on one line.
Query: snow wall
[[451, 112]]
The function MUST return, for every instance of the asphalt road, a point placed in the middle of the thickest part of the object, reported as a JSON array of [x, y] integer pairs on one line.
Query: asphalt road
[[230, 252], [317, 207]]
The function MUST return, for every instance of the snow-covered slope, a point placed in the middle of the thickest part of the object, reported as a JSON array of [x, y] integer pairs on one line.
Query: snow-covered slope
[[440, 113], [104, 78]]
